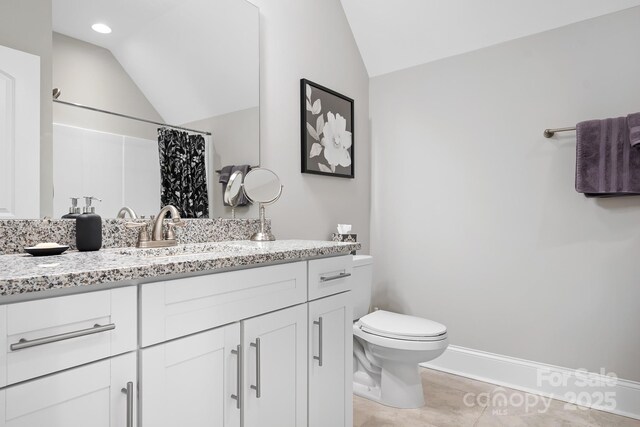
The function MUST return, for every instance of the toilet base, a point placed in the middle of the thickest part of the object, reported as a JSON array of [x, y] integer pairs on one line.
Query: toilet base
[[400, 386]]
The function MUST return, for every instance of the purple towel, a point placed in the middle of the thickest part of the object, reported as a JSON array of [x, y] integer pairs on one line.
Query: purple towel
[[606, 166], [634, 130], [225, 175]]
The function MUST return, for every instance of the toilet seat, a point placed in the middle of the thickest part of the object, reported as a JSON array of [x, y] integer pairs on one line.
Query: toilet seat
[[400, 344], [402, 327]]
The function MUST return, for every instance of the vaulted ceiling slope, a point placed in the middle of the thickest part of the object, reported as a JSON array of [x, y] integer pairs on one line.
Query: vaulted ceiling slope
[[397, 34], [192, 59]]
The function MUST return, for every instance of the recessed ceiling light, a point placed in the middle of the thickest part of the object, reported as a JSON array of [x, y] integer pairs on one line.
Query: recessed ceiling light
[[101, 28]]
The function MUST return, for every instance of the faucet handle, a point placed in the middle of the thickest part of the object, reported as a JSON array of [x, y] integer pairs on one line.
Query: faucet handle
[[143, 235], [171, 234]]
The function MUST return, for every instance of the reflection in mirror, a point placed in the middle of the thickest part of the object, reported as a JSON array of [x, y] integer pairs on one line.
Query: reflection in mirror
[[262, 186], [233, 192], [179, 63]]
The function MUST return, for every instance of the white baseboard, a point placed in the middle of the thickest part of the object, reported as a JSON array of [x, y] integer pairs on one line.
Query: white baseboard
[[564, 384]]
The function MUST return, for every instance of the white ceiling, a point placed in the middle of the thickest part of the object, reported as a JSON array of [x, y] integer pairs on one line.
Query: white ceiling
[[192, 59], [396, 34]]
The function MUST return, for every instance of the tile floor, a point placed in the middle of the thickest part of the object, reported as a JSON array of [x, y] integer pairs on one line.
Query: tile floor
[[445, 397]]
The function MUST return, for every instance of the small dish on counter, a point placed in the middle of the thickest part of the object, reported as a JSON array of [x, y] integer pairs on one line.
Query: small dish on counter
[[46, 249]]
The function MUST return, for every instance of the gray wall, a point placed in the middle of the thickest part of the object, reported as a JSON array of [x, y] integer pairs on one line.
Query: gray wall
[[26, 25], [91, 75], [476, 222], [311, 39]]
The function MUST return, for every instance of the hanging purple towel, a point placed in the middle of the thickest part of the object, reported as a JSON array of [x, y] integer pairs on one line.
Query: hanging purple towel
[[606, 166], [633, 121]]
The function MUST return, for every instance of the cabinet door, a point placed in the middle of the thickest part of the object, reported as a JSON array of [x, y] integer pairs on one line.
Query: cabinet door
[[92, 395], [330, 361], [189, 381], [275, 379]]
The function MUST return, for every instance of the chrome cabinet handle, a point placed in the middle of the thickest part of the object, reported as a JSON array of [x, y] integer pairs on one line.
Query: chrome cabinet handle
[[25, 343], [319, 356], [257, 387], [237, 397], [336, 277], [129, 392]]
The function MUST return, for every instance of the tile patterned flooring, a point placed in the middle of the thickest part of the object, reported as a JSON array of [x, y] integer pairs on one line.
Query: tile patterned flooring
[[445, 397]]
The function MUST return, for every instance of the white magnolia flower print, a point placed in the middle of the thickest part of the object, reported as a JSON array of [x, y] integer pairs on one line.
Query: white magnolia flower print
[[336, 141], [316, 107]]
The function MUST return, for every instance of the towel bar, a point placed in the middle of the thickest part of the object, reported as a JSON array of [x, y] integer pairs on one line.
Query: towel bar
[[219, 170], [548, 133]]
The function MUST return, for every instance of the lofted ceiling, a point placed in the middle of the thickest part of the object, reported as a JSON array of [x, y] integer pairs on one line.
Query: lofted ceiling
[[397, 34], [192, 59]]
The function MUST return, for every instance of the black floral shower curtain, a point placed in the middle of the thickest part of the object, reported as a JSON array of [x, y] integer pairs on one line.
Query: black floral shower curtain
[[183, 172]]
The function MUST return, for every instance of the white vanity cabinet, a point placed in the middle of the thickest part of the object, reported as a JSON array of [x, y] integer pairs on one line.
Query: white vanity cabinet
[[330, 361], [100, 394], [275, 369], [258, 347], [213, 378], [69, 361], [190, 381]]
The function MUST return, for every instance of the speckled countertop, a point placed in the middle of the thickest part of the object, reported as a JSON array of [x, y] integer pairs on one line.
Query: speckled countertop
[[20, 274]]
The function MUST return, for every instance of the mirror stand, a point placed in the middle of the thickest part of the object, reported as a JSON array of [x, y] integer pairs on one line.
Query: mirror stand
[[263, 235], [262, 186]]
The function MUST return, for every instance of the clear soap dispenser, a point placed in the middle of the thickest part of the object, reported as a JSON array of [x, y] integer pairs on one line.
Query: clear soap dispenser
[[89, 227], [74, 210]]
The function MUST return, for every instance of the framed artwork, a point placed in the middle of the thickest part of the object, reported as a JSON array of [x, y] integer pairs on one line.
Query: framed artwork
[[327, 131]]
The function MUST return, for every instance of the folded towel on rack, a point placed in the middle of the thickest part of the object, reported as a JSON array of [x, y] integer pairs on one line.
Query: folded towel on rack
[[225, 175], [606, 166], [242, 199], [633, 120]]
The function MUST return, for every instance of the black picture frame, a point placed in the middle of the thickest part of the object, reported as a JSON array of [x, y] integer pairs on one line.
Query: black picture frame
[[314, 154]]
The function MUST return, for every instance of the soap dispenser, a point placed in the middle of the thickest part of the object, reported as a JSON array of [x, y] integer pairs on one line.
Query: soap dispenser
[[89, 227], [74, 210]]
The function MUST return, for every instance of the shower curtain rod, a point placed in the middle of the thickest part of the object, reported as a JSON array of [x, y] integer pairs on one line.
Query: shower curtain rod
[[73, 104]]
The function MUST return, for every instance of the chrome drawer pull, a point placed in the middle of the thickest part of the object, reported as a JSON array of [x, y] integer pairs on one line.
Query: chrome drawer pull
[[336, 277], [319, 356], [25, 343], [237, 397], [257, 387], [129, 392]]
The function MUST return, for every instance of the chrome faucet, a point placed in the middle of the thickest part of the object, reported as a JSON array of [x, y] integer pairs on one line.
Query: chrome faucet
[[159, 239], [156, 232], [127, 210]]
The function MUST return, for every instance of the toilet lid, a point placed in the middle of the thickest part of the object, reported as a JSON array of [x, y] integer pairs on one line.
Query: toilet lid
[[401, 326]]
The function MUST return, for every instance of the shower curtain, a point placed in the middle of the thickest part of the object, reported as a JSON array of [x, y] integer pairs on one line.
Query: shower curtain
[[183, 172]]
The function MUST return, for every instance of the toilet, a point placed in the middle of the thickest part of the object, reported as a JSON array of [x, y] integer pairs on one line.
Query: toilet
[[387, 346]]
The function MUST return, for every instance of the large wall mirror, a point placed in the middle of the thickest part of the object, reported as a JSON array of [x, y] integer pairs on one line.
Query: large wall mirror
[[189, 64]]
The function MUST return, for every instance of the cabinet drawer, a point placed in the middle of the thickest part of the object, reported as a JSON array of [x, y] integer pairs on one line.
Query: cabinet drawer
[[329, 276], [45, 336], [180, 307], [89, 395]]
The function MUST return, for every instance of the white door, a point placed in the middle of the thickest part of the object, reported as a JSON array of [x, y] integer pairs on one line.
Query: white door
[[331, 361], [275, 374], [19, 134], [190, 381], [90, 395]]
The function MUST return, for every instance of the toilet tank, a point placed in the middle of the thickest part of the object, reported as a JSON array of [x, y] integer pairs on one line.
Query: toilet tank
[[361, 285]]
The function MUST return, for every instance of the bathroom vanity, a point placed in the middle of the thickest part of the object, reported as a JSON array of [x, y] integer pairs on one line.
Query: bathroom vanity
[[220, 334]]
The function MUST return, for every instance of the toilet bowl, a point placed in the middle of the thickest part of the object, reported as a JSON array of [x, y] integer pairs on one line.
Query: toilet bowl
[[388, 347]]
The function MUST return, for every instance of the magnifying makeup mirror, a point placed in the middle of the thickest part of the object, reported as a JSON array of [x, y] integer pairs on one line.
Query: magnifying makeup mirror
[[233, 192], [262, 186]]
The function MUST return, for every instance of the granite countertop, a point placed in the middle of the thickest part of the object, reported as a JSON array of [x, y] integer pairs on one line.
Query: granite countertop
[[22, 274]]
